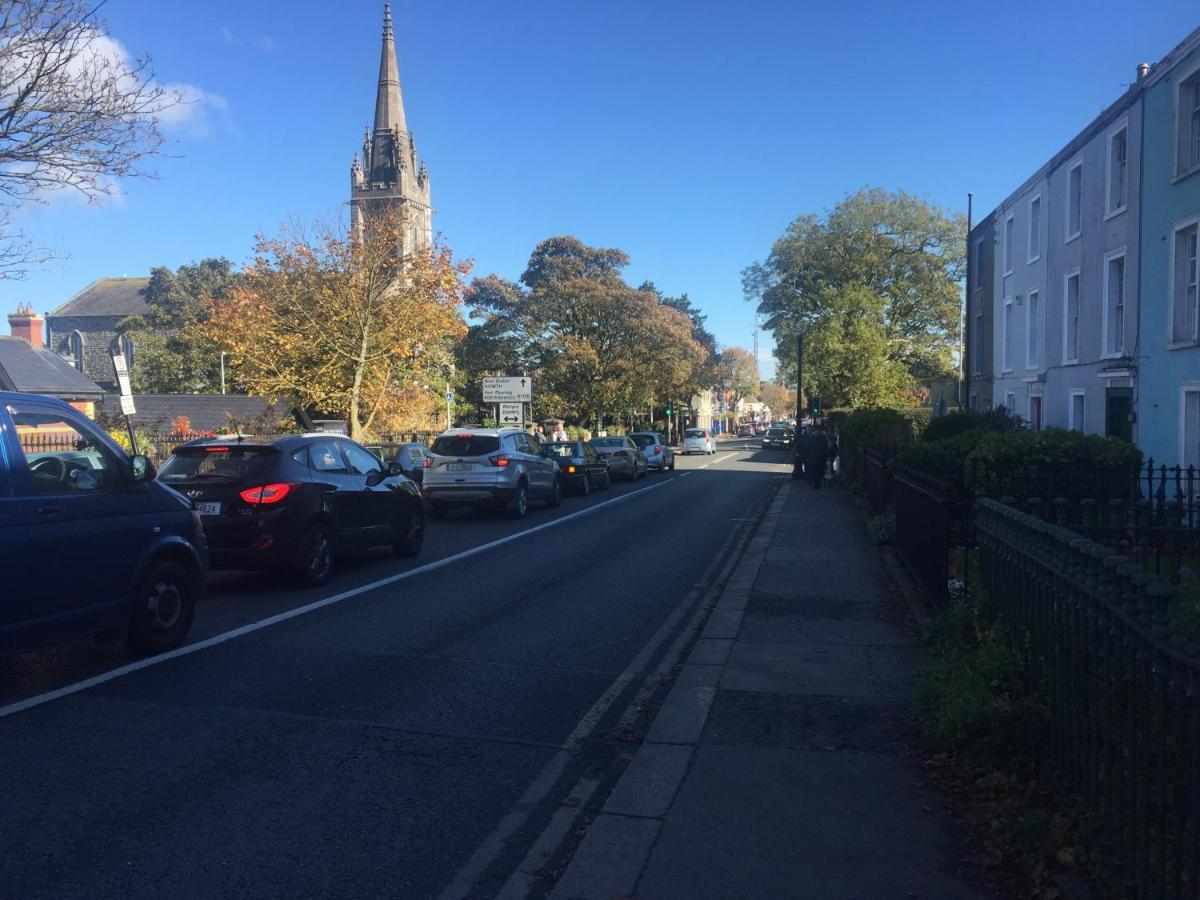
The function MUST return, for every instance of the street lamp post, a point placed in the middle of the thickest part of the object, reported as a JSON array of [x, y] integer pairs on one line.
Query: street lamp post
[[222, 371]]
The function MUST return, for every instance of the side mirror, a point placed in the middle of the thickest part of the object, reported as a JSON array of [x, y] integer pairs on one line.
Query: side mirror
[[142, 468], [394, 468], [374, 477]]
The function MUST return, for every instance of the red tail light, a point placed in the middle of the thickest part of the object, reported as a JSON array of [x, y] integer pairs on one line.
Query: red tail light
[[500, 460], [428, 464], [620, 453], [266, 494]]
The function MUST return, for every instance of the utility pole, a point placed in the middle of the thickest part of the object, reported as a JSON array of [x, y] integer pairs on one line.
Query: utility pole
[[964, 377]]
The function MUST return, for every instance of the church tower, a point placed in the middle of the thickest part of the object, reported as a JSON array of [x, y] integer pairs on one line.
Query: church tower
[[388, 173]]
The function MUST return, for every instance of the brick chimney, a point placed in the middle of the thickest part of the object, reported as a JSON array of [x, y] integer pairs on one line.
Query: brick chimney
[[27, 324]]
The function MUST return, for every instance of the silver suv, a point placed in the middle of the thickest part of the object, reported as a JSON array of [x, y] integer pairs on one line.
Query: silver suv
[[489, 467]]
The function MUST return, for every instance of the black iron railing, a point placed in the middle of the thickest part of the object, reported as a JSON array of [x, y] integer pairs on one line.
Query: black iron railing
[[1096, 636]]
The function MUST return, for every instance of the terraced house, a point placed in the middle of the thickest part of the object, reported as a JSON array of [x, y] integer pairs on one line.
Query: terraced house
[[1075, 274]]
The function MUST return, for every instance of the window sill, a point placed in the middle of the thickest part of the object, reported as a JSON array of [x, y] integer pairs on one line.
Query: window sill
[[1007, 273], [1033, 259], [1032, 367], [1183, 176], [1118, 354], [1072, 237], [1182, 345], [1006, 371], [1070, 362], [1116, 212]]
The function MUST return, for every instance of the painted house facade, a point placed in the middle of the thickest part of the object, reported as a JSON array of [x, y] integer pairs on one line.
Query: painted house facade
[[979, 314], [1168, 401]]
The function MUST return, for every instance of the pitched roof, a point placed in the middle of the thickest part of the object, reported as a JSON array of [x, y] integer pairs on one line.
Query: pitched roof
[[107, 297], [204, 412], [42, 371]]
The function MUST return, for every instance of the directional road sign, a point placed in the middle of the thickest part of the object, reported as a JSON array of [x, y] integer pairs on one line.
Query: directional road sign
[[507, 390], [512, 413], [449, 396]]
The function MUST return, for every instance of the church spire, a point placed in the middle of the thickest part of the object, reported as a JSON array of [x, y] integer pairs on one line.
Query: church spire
[[389, 102]]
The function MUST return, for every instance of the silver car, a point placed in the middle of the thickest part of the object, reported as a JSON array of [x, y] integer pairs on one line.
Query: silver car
[[624, 458], [489, 467], [659, 456], [698, 440]]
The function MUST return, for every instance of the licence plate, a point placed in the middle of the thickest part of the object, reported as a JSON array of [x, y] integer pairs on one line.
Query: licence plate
[[459, 467], [208, 509]]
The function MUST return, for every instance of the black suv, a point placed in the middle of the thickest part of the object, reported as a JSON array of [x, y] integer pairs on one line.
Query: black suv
[[295, 502]]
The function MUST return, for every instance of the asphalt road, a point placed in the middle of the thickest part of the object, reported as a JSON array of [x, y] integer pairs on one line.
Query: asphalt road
[[371, 743]]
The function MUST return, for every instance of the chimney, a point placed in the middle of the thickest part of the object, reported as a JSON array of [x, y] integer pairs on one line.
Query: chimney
[[26, 324], [1143, 70]]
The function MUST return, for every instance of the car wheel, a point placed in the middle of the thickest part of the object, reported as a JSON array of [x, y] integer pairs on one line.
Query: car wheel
[[520, 503], [314, 562], [555, 498], [607, 480], [672, 466], [437, 511], [412, 535], [163, 608]]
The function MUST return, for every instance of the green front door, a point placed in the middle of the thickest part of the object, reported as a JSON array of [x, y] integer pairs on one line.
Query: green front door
[[1118, 415]]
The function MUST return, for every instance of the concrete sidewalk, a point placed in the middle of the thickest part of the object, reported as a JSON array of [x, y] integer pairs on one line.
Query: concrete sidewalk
[[783, 762]]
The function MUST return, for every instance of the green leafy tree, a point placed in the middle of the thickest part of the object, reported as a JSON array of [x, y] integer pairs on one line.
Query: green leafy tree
[[174, 355], [737, 373], [875, 287]]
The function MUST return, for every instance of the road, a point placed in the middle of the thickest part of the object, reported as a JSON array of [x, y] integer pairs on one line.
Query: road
[[411, 729]]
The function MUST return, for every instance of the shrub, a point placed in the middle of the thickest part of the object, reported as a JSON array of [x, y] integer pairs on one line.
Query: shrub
[[882, 528], [962, 422], [879, 427], [1051, 463]]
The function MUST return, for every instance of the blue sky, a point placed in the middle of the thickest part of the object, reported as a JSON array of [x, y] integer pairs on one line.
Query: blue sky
[[687, 133]]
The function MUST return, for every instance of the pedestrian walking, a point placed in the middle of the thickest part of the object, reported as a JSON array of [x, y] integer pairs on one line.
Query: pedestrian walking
[[799, 453], [817, 456]]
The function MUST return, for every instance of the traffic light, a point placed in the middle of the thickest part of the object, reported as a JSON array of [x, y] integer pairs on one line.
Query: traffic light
[[815, 404], [668, 410]]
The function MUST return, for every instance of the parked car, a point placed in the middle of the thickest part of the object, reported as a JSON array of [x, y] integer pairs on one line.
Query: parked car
[[745, 430], [778, 438], [409, 458], [698, 440], [295, 502], [489, 467], [90, 543], [624, 457], [580, 466], [659, 456]]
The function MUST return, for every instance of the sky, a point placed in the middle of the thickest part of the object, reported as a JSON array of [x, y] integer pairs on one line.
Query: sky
[[688, 134]]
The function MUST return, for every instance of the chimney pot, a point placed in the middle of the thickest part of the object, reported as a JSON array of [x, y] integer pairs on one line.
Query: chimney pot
[[1143, 70], [26, 324]]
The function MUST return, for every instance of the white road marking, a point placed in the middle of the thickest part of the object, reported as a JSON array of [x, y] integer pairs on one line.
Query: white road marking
[[187, 649], [714, 461]]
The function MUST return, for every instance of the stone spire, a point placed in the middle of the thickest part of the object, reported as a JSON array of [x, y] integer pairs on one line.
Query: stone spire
[[389, 102]]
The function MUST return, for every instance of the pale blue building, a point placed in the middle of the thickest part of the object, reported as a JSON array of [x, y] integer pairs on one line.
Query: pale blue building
[[1168, 343]]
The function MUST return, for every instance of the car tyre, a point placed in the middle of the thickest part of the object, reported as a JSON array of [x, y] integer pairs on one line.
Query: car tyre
[[412, 534], [672, 466], [163, 608], [555, 499], [314, 559], [607, 480], [520, 503]]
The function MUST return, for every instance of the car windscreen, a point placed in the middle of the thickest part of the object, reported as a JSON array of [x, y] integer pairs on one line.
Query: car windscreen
[[644, 440], [607, 442], [221, 463], [566, 451], [466, 444], [694, 433], [776, 433]]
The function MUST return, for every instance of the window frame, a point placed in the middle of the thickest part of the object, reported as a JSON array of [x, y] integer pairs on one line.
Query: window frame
[[1034, 341], [1010, 245], [977, 342], [1010, 402], [1189, 78], [1173, 342], [1109, 257], [76, 337], [1071, 425], [1109, 210], [1008, 321], [1072, 235], [1066, 298], [1034, 247], [1191, 386], [978, 271], [1035, 423]]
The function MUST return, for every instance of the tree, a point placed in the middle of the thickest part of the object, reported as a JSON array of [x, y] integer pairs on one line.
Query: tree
[[344, 325], [595, 346], [175, 354], [75, 113], [778, 397], [737, 373], [875, 287]]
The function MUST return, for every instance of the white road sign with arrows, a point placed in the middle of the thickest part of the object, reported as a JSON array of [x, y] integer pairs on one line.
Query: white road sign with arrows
[[511, 413], [507, 390]]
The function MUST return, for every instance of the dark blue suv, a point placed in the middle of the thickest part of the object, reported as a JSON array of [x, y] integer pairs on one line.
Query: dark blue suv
[[89, 541]]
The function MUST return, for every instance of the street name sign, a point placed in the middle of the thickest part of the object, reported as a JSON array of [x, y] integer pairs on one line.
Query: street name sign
[[507, 390], [512, 413]]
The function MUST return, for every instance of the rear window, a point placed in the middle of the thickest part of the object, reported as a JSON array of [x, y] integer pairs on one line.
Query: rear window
[[608, 442], [563, 450], [466, 444], [644, 440], [695, 432], [231, 463]]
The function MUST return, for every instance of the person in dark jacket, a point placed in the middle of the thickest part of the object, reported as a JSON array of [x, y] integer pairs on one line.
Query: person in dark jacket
[[817, 453], [799, 453]]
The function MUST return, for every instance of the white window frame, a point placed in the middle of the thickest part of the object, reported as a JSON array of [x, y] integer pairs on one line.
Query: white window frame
[[1109, 210], [1071, 235], [1034, 340], [1074, 273], [1041, 417], [1034, 247], [1176, 133], [977, 274], [1076, 392], [1185, 388], [1172, 341], [1105, 353], [76, 337], [1010, 244], [1010, 401], [1007, 321]]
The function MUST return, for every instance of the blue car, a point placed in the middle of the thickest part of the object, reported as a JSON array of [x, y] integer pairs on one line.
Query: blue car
[[90, 543]]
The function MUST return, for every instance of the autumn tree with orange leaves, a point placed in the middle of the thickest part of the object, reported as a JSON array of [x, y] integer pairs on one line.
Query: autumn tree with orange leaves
[[345, 324]]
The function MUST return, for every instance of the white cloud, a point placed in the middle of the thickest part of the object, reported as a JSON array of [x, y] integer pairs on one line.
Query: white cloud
[[267, 43], [196, 112], [227, 35]]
